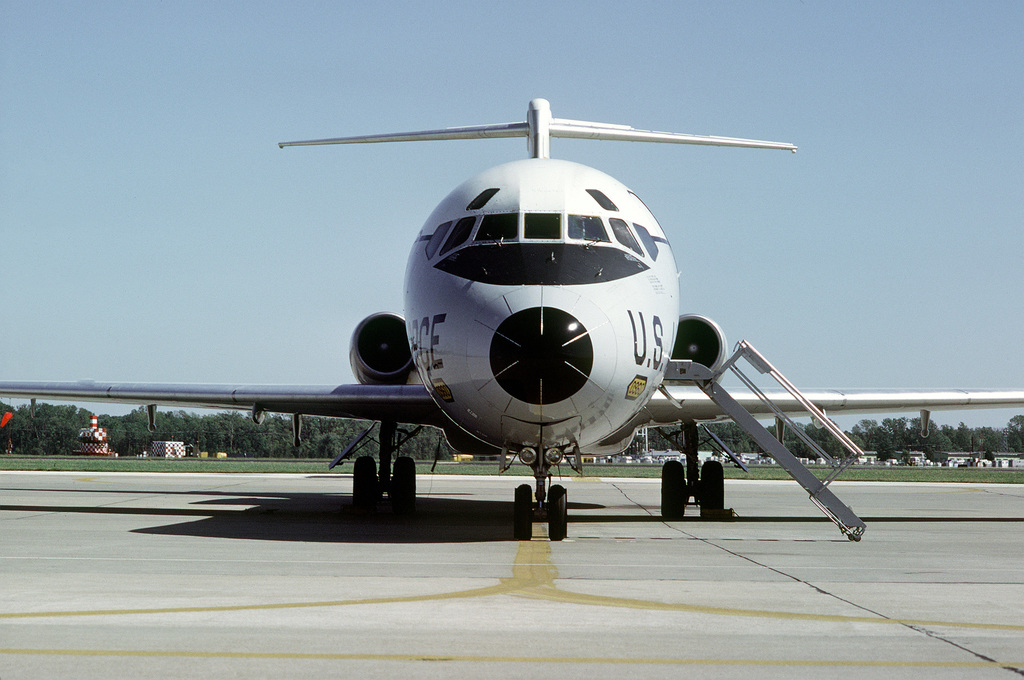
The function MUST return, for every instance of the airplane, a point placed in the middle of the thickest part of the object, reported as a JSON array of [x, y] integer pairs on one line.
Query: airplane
[[542, 324]]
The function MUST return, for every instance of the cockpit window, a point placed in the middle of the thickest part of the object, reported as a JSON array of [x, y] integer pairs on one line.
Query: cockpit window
[[459, 234], [435, 239], [624, 236], [587, 228], [649, 241], [542, 225], [603, 200], [481, 200], [498, 227]]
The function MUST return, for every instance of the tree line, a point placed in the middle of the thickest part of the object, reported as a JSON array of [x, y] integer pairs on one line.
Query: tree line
[[50, 429], [53, 430]]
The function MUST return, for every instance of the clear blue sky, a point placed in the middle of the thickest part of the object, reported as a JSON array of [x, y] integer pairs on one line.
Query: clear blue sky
[[151, 230]]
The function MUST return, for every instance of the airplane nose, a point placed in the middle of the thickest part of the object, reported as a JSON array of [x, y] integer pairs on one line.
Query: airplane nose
[[541, 355]]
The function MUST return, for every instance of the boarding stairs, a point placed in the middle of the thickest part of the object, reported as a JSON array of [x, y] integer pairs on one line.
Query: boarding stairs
[[692, 373]]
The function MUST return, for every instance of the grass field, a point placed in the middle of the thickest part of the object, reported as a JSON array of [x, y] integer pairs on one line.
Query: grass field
[[862, 474]]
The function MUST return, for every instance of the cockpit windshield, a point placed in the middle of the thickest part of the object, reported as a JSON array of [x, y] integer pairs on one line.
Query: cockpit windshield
[[542, 225], [587, 228], [539, 226], [494, 249], [498, 227]]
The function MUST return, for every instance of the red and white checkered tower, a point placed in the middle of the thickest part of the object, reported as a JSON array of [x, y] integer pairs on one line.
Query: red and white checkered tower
[[92, 440]]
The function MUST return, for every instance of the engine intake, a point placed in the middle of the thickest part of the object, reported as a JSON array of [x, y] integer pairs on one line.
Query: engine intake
[[380, 353], [701, 340]]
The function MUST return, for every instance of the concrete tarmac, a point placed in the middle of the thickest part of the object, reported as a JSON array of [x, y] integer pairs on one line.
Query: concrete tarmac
[[233, 575]]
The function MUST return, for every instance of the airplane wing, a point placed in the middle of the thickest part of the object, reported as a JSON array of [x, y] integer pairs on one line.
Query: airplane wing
[[412, 404], [693, 404], [403, 403]]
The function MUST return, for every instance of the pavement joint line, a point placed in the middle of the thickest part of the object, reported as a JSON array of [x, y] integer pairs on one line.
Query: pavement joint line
[[918, 627], [921, 627]]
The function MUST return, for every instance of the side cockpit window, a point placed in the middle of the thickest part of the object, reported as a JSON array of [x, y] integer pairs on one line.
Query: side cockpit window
[[624, 236], [463, 228], [498, 227], [542, 225], [587, 228], [649, 241], [436, 238]]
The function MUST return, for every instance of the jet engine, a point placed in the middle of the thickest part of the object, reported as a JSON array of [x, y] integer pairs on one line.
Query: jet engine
[[701, 340], [380, 353]]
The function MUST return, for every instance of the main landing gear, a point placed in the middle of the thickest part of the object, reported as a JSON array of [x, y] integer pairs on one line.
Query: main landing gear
[[550, 502], [679, 484], [399, 483], [368, 488]]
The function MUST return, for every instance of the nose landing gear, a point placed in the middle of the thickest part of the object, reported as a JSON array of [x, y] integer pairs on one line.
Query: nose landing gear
[[550, 503]]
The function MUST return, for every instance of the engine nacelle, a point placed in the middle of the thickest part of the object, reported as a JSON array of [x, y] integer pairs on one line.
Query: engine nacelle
[[380, 353], [701, 340]]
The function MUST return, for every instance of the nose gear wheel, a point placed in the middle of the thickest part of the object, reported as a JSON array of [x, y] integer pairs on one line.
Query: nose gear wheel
[[551, 505]]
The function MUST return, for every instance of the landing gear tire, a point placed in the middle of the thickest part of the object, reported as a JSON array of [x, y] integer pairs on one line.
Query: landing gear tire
[[365, 488], [712, 486], [522, 522], [557, 514], [403, 486], [674, 493]]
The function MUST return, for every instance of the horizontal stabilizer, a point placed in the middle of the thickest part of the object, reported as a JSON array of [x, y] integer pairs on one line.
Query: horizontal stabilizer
[[497, 131], [540, 127]]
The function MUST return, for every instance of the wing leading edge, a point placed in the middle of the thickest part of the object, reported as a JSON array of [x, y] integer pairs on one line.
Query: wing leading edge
[[412, 404], [693, 404], [404, 403]]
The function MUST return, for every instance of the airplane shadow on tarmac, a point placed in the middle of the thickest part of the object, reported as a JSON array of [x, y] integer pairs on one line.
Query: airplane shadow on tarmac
[[437, 520], [330, 518], [321, 518], [310, 517]]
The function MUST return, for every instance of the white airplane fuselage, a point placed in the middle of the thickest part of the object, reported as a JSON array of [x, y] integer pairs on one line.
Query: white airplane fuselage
[[541, 302]]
